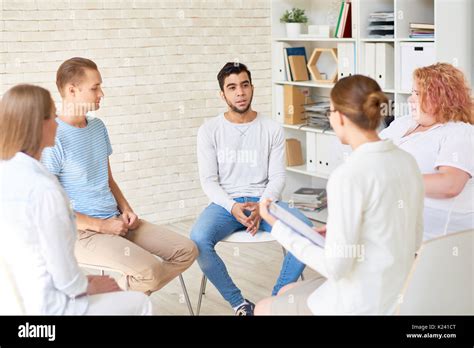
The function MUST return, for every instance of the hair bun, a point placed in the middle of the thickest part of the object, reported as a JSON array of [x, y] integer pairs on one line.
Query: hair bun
[[373, 106]]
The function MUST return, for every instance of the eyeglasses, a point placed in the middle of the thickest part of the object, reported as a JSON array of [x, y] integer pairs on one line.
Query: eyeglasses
[[328, 113]]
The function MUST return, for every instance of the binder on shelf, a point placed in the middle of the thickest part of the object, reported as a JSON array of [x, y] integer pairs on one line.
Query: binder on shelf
[[290, 52], [414, 55], [287, 65], [311, 151], [369, 64], [346, 60], [279, 66], [329, 153], [347, 32], [343, 20], [279, 103], [345, 26], [384, 65], [298, 68], [341, 11]]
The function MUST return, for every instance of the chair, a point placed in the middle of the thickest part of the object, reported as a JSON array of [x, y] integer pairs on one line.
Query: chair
[[239, 237], [441, 279], [104, 269]]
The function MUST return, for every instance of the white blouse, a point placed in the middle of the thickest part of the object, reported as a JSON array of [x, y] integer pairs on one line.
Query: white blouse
[[37, 236], [449, 144], [374, 228]]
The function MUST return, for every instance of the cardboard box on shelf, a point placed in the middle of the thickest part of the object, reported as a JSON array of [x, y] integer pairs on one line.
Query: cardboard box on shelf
[[294, 154], [295, 98]]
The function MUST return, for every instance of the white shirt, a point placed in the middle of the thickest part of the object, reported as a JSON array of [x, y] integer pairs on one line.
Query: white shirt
[[449, 144], [241, 160], [374, 228], [37, 236]]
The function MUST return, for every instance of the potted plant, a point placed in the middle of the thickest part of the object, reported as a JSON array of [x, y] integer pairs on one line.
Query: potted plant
[[295, 20]]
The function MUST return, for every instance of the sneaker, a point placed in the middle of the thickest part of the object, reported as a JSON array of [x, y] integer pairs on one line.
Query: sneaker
[[246, 309]]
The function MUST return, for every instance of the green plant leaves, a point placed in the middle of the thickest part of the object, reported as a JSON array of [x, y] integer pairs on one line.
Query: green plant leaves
[[296, 15]]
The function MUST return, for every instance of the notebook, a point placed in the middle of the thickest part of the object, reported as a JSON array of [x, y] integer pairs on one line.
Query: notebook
[[296, 225]]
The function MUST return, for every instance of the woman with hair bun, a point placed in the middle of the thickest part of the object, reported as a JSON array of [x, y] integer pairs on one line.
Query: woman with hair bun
[[439, 133], [374, 224]]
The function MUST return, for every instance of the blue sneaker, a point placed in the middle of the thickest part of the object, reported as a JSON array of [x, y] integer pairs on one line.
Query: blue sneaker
[[246, 309]]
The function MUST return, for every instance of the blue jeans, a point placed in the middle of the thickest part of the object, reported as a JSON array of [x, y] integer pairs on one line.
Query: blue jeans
[[214, 224]]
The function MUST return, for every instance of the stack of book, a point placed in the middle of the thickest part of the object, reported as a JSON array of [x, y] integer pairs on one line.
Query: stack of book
[[315, 114], [422, 31], [344, 22], [296, 63], [310, 199], [381, 24]]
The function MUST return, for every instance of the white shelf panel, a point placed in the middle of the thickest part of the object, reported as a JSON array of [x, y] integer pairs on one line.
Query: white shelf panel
[[315, 39], [376, 40], [302, 170], [409, 39], [309, 129], [319, 216], [317, 85], [305, 84]]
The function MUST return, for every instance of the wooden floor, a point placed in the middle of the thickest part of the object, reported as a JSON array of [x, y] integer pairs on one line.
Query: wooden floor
[[253, 267]]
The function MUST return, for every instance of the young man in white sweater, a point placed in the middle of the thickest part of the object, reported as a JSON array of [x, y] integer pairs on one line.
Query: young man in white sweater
[[241, 157]]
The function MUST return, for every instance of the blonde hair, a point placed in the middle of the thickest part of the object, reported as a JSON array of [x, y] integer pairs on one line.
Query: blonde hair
[[360, 99], [72, 71], [22, 111], [444, 93]]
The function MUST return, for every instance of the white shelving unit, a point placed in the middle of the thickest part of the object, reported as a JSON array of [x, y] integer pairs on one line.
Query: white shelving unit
[[452, 41]]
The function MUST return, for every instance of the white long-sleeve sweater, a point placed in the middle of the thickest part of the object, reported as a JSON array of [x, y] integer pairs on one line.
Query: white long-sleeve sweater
[[241, 160], [374, 227]]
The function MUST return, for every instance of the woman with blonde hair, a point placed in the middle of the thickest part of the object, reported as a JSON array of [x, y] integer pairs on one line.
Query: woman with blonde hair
[[37, 226], [439, 133], [374, 226]]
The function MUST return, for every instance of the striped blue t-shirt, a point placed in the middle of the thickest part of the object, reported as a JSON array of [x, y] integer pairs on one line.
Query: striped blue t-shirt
[[80, 161]]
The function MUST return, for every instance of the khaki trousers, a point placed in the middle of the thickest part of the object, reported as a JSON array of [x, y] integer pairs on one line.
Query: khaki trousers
[[134, 255]]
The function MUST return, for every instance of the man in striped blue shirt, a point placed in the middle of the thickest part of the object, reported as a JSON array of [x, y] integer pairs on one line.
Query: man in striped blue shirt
[[110, 233]]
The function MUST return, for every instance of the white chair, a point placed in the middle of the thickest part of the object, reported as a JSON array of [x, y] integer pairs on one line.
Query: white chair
[[104, 269], [441, 279], [239, 237]]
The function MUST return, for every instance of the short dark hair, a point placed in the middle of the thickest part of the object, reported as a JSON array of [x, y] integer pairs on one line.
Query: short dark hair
[[232, 68]]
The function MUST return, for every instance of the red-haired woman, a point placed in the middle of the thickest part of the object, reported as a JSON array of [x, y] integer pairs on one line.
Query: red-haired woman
[[440, 135]]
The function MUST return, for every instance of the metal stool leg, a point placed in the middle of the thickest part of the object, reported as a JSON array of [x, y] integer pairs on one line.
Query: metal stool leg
[[205, 284], [127, 285], [201, 293], [284, 254], [186, 296]]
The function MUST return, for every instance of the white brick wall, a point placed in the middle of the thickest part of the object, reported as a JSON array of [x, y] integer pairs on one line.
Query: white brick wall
[[159, 60]]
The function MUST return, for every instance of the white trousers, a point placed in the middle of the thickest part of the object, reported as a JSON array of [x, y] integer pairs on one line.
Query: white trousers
[[119, 303]]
